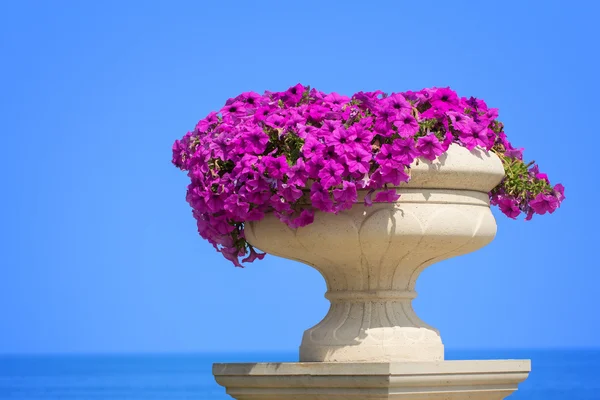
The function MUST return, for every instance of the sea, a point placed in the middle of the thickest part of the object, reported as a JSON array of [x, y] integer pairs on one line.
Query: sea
[[555, 375]]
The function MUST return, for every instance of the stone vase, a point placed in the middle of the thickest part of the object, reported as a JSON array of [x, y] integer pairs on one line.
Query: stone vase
[[371, 257]]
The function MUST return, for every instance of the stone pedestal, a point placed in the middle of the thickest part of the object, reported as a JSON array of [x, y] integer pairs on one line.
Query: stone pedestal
[[371, 344], [444, 380]]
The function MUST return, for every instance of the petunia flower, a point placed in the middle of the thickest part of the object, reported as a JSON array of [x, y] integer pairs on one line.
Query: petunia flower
[[236, 109], [276, 167], [385, 156], [256, 140], [544, 203], [407, 125], [341, 139], [398, 103], [306, 217], [290, 193], [393, 175], [297, 174], [360, 134], [476, 135], [293, 95], [336, 100], [460, 121], [347, 194], [429, 147], [253, 256], [331, 174], [358, 159], [514, 153], [320, 198], [385, 117], [387, 196], [509, 206], [445, 99], [404, 151], [559, 192]]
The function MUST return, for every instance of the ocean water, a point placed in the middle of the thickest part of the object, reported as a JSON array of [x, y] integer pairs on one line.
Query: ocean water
[[556, 375]]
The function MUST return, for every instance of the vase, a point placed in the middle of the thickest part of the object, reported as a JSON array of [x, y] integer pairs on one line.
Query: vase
[[371, 257]]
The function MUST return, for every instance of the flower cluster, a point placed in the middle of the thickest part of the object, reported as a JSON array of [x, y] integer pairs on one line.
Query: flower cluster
[[291, 153]]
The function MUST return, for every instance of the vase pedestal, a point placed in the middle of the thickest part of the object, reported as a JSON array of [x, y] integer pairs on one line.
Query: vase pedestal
[[441, 380]]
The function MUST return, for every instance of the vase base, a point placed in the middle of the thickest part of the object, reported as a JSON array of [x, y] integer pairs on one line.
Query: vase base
[[443, 380]]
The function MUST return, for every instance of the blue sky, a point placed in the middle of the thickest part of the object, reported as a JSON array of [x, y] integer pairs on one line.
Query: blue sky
[[99, 251]]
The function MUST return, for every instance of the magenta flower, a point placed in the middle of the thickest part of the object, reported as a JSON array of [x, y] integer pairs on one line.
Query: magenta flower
[[252, 99], [256, 140], [444, 99], [387, 196], [369, 198], [559, 192], [398, 103], [298, 174], [331, 174], [306, 217], [358, 160], [232, 255], [279, 204], [262, 113], [385, 156], [180, 154], [341, 139], [475, 136], [336, 100], [276, 167], [314, 166], [207, 123], [514, 153], [320, 197], [544, 203], [253, 256], [290, 193], [383, 123], [329, 126], [460, 122], [360, 134], [276, 121], [306, 131], [235, 109], [543, 177], [404, 151], [347, 194], [293, 95], [316, 113], [407, 125], [509, 206], [429, 147], [236, 208], [393, 175]]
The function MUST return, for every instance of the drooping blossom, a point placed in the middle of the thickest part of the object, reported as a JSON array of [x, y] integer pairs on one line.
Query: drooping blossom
[[347, 195], [544, 203], [387, 196], [509, 206]]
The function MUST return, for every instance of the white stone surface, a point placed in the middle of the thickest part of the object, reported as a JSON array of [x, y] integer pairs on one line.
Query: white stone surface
[[445, 380], [371, 258]]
